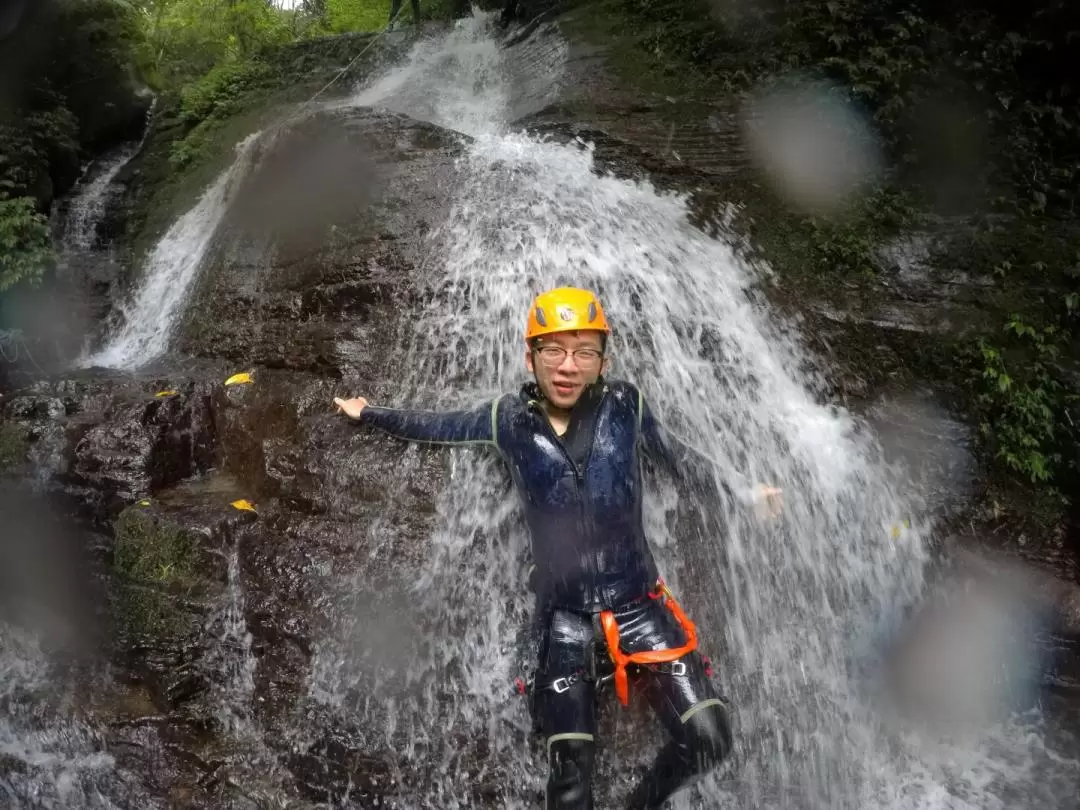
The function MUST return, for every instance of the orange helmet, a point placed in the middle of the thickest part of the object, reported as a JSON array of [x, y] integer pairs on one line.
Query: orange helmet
[[565, 309]]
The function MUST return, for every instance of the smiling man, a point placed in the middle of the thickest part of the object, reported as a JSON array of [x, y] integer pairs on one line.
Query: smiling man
[[573, 442]]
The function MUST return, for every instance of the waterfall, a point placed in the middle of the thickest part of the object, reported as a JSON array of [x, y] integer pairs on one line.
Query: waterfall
[[170, 271], [791, 610]]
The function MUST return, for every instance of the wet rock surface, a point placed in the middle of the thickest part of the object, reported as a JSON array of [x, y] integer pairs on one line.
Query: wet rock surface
[[318, 246]]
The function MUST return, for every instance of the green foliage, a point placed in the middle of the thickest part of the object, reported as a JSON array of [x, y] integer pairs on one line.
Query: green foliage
[[25, 248], [935, 83], [977, 111], [78, 65], [185, 39], [67, 91], [351, 15], [188, 151], [847, 244], [843, 248], [684, 30], [1023, 401], [229, 67], [91, 46], [342, 16], [38, 151], [221, 91]]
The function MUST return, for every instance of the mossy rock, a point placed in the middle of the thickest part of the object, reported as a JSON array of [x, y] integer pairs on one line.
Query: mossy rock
[[13, 446], [157, 564]]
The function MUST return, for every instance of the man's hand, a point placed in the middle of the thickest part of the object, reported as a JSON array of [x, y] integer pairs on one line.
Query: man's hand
[[768, 501], [351, 407]]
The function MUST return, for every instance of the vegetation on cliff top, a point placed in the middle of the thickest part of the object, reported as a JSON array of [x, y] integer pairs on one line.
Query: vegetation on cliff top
[[66, 93]]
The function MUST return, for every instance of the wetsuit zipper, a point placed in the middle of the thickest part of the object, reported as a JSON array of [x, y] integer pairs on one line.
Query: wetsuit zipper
[[579, 474], [585, 466]]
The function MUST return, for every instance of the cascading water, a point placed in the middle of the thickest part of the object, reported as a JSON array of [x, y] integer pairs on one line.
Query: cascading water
[[91, 200], [54, 754], [231, 659], [45, 761], [170, 270], [791, 607]]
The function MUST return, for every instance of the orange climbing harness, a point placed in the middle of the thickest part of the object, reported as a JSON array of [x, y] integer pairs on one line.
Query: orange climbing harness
[[621, 659]]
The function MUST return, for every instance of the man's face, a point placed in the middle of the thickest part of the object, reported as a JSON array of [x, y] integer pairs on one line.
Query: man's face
[[563, 380]]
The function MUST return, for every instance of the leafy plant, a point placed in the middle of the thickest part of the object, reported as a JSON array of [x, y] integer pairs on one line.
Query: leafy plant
[[1024, 403], [221, 91], [184, 39], [841, 248], [25, 248]]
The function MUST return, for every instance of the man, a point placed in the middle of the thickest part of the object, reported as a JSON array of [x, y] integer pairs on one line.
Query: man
[[573, 442]]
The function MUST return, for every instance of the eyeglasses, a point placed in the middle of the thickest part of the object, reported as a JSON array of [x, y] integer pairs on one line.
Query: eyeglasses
[[555, 356]]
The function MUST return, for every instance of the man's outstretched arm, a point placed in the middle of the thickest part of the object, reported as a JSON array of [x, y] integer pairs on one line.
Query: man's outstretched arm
[[474, 426], [686, 464]]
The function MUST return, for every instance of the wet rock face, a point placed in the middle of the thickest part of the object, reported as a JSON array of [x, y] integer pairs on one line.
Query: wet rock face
[[319, 243], [212, 612], [109, 441]]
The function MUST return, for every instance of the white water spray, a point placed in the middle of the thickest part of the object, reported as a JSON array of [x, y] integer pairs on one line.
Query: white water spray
[[170, 272], [457, 82], [786, 608]]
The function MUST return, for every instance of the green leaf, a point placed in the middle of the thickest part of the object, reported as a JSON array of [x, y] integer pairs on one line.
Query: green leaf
[[24, 235]]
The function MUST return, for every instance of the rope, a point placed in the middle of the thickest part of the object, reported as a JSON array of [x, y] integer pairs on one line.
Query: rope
[[256, 311], [356, 58]]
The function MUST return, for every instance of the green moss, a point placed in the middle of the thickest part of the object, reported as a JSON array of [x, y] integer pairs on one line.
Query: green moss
[[13, 445], [156, 562]]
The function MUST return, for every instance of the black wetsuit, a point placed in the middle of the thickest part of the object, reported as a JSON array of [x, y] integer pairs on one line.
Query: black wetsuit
[[582, 495]]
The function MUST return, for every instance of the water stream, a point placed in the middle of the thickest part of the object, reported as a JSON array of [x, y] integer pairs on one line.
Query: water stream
[[91, 200], [150, 316]]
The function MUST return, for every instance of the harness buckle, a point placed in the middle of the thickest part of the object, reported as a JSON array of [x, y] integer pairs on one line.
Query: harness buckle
[[676, 668], [560, 685]]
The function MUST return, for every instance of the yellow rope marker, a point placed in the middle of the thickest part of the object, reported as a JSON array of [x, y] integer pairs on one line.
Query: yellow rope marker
[[161, 394], [244, 506], [239, 379]]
